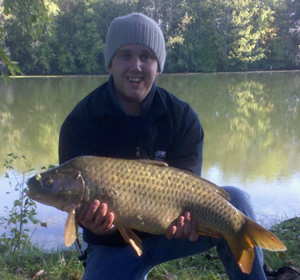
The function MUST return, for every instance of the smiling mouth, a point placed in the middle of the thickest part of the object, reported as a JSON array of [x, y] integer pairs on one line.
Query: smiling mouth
[[134, 80]]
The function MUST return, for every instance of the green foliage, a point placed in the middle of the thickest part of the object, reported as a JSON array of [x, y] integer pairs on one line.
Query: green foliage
[[64, 264], [30, 17], [288, 232], [203, 266], [68, 37], [79, 42], [251, 27], [36, 263], [16, 235]]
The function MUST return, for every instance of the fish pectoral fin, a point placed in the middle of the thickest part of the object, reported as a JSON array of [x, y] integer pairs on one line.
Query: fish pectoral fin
[[208, 232], [130, 237], [154, 162], [70, 229]]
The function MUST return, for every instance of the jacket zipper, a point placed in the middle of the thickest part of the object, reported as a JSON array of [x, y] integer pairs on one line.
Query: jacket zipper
[[138, 152]]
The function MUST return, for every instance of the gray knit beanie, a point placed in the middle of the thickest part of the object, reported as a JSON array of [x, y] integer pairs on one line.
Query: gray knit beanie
[[135, 28]]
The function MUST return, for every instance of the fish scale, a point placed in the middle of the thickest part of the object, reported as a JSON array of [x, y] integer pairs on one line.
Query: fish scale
[[149, 196]]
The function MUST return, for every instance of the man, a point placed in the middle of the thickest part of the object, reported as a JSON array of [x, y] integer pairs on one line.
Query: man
[[130, 117]]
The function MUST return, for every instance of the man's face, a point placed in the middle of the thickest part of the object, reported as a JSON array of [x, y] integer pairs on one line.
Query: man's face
[[134, 68]]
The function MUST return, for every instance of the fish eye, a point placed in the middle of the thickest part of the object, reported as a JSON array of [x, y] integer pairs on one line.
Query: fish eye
[[48, 181]]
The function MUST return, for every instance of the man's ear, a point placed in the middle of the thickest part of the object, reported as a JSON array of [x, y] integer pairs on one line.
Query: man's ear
[[158, 70]]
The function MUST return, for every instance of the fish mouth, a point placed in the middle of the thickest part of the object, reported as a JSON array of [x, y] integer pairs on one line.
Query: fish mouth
[[32, 194], [29, 193], [33, 184]]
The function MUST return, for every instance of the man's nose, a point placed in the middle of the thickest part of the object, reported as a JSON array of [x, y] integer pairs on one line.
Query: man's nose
[[136, 63]]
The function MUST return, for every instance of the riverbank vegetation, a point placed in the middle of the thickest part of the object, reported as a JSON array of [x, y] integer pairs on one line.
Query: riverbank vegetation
[[34, 263], [68, 37]]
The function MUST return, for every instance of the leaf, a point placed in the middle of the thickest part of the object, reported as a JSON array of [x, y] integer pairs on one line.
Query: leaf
[[17, 203], [12, 221], [44, 224]]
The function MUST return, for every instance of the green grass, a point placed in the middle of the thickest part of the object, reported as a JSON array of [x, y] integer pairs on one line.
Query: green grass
[[55, 265], [64, 265], [289, 233], [204, 266]]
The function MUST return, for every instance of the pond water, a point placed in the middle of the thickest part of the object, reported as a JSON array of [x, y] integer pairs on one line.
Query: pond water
[[251, 123]]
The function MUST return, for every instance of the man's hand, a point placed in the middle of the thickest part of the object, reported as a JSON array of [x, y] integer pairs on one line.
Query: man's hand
[[185, 227], [95, 217]]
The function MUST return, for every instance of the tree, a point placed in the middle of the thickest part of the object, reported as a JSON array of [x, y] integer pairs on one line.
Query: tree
[[251, 29], [201, 36], [31, 15]]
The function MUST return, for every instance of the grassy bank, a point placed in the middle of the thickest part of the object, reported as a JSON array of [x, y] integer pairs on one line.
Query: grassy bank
[[34, 263]]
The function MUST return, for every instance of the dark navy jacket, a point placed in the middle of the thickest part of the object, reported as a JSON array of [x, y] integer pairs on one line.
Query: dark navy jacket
[[168, 130]]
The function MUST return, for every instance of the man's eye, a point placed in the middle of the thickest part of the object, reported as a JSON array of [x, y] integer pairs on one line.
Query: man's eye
[[145, 56], [125, 56]]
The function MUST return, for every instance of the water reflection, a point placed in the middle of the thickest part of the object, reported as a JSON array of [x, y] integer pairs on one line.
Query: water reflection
[[31, 120], [251, 123]]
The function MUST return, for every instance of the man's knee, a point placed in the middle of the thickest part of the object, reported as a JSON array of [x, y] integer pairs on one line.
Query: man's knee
[[237, 194], [240, 200]]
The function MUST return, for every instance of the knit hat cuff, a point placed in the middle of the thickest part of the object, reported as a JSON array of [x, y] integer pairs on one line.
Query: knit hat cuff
[[135, 28]]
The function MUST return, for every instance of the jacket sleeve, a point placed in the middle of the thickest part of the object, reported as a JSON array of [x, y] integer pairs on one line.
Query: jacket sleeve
[[186, 149], [72, 140]]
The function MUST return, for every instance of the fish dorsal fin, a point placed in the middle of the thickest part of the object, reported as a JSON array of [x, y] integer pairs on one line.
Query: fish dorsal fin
[[70, 229], [130, 237], [153, 162], [217, 189]]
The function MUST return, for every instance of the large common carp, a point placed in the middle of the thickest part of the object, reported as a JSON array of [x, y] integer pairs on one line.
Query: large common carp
[[149, 196]]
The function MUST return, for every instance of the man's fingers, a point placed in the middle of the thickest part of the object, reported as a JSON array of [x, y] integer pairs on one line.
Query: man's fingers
[[86, 214], [100, 214], [179, 226], [90, 214], [82, 212], [108, 222], [184, 228], [95, 217], [187, 228], [194, 234], [170, 233]]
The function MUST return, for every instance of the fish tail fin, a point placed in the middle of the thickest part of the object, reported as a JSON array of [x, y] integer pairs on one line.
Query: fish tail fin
[[262, 237], [252, 234]]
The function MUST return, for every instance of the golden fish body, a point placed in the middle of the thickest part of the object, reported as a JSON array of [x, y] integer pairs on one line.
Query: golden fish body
[[149, 196]]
